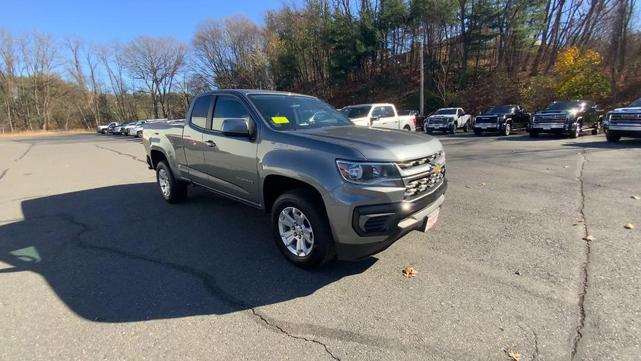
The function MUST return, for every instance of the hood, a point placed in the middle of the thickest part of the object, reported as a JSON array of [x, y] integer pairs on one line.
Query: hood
[[628, 110], [448, 116], [377, 144], [553, 112], [491, 115]]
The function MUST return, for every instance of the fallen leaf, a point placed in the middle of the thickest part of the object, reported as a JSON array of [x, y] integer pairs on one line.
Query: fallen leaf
[[466, 186], [566, 166], [517, 273], [588, 238], [629, 226], [482, 184], [515, 356], [635, 197], [409, 272]]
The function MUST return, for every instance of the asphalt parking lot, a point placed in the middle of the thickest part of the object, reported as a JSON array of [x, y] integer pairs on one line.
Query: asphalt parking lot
[[95, 265]]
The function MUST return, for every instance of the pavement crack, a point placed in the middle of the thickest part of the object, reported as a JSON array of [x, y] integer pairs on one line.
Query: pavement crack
[[121, 153], [24, 154], [209, 282], [274, 325], [4, 172], [584, 267]]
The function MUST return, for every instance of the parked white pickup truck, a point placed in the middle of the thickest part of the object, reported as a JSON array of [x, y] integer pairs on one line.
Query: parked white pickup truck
[[379, 115], [447, 120]]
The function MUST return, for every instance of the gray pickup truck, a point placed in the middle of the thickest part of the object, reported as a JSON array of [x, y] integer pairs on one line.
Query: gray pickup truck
[[333, 189]]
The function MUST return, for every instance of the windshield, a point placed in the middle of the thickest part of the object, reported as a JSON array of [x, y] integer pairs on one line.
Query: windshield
[[291, 112], [563, 105], [635, 104], [501, 109], [446, 111], [360, 111]]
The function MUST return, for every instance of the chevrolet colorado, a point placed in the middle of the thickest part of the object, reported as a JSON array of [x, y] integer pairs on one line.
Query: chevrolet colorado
[[623, 122], [333, 189]]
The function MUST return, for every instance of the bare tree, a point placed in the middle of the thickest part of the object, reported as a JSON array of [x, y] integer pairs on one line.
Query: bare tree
[[84, 73], [231, 53], [39, 52], [155, 62], [8, 86]]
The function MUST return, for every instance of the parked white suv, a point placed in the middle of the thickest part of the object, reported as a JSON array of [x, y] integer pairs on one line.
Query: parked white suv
[[379, 115], [448, 120]]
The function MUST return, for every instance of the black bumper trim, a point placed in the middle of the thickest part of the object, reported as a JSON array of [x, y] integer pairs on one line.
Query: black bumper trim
[[399, 210]]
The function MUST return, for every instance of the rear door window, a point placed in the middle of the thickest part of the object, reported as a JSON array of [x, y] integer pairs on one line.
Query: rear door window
[[200, 111]]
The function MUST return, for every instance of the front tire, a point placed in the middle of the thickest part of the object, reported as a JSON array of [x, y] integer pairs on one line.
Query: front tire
[[453, 128], [478, 132], [612, 137], [597, 129], [407, 128], [507, 129], [466, 128], [301, 230], [534, 134], [172, 190], [576, 132]]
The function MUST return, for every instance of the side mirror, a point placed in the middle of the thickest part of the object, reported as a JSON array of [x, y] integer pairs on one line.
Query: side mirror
[[236, 127], [376, 118]]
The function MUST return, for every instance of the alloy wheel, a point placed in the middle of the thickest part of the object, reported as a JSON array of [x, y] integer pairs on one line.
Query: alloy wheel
[[296, 231]]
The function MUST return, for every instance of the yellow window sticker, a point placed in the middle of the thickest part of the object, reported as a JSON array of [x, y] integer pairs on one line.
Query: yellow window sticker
[[280, 120]]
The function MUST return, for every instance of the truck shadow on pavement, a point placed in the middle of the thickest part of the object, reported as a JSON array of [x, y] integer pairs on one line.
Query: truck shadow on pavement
[[603, 144], [121, 254]]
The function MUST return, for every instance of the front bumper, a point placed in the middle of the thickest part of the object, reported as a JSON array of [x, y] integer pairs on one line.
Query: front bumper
[[437, 127], [490, 127], [556, 128], [624, 130], [391, 222]]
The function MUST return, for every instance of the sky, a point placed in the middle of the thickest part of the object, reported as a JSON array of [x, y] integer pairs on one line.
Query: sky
[[104, 21]]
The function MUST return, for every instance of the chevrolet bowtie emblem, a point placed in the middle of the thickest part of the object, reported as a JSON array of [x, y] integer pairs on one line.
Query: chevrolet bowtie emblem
[[436, 169]]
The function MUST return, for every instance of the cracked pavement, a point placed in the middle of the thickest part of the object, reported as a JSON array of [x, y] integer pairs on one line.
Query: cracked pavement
[[94, 265]]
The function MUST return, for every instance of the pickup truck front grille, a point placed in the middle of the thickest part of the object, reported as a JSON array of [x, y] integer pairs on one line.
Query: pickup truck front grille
[[626, 117], [553, 118], [486, 120], [437, 120], [421, 186], [418, 162]]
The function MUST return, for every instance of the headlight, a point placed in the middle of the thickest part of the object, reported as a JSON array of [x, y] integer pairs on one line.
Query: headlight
[[385, 174]]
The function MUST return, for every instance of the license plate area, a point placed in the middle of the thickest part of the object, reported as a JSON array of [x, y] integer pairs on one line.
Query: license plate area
[[430, 220]]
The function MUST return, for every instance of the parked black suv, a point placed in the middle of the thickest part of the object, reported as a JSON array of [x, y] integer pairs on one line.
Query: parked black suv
[[570, 117], [502, 118]]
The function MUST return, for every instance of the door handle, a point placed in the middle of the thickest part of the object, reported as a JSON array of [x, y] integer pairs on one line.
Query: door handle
[[210, 143]]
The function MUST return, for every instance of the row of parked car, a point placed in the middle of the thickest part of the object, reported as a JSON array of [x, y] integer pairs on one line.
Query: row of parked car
[[133, 128], [571, 118]]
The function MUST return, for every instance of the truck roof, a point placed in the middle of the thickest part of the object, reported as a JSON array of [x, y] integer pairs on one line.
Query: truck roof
[[254, 91], [370, 105]]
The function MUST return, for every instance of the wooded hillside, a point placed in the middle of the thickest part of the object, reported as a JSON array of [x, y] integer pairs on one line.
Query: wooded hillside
[[476, 53]]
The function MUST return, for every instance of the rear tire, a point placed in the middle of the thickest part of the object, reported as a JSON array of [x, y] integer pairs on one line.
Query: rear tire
[[597, 129], [612, 137], [452, 129], [314, 219], [466, 128], [172, 190], [407, 128]]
